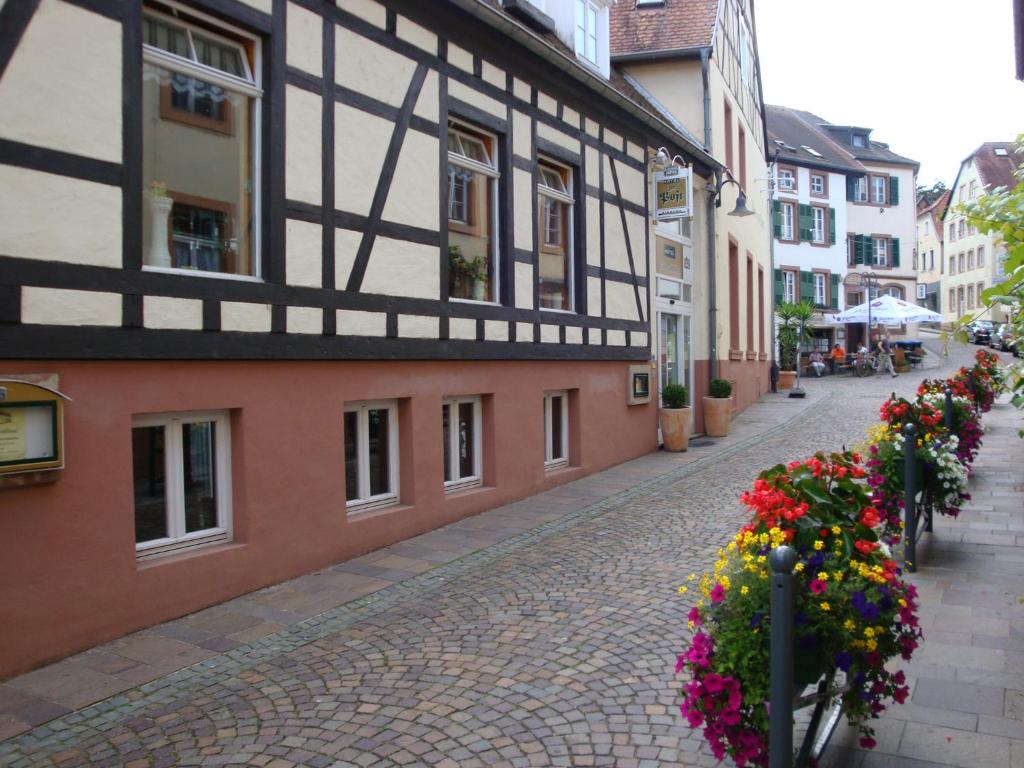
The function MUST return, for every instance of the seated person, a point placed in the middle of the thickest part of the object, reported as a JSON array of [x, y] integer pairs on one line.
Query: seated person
[[837, 357], [817, 363]]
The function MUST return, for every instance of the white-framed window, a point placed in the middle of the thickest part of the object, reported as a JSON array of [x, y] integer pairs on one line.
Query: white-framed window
[[926, 226], [970, 289], [820, 289], [952, 231], [746, 69], [981, 256], [981, 290], [472, 213], [952, 265], [787, 212], [181, 474], [787, 179], [556, 429], [371, 454], [860, 190], [819, 227], [879, 190], [931, 259], [587, 14], [895, 291], [201, 136], [961, 264], [973, 189], [961, 229], [555, 219], [881, 251], [817, 184], [461, 435], [860, 140], [970, 258], [962, 193], [789, 286]]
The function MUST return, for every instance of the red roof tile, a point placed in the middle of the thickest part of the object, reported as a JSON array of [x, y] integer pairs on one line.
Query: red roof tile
[[997, 170], [676, 24]]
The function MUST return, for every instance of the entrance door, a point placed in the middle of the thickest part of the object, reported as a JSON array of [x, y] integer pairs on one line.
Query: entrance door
[[674, 359]]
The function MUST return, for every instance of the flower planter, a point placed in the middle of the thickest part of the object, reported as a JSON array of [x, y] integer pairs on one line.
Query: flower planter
[[717, 415], [675, 428], [787, 379]]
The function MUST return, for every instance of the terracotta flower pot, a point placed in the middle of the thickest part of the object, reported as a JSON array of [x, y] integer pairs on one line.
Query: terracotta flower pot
[[675, 428], [717, 415], [787, 379]]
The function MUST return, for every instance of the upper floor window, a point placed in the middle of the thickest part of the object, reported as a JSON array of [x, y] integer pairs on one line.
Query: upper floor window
[[952, 231], [881, 251], [555, 220], [895, 291], [820, 289], [973, 189], [587, 14], [787, 179], [970, 259], [860, 189], [961, 229], [952, 265], [789, 286], [819, 225], [961, 194], [926, 226], [981, 256], [859, 140], [201, 99], [818, 185], [879, 190], [786, 211], [960, 264], [472, 214]]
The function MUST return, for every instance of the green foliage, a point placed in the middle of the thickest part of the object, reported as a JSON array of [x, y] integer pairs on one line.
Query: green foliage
[[474, 269], [675, 396], [1001, 212], [930, 194], [794, 330], [720, 388]]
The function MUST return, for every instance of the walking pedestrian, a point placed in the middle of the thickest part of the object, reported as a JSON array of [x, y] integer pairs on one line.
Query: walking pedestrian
[[884, 355]]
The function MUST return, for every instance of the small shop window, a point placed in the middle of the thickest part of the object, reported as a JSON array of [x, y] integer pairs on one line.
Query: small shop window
[[556, 429], [371, 455], [461, 431]]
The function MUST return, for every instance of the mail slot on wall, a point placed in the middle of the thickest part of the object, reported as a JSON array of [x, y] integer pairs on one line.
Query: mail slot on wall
[[639, 384], [31, 427]]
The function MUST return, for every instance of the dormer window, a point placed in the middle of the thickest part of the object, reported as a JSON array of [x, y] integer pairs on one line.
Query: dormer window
[[860, 140], [587, 12]]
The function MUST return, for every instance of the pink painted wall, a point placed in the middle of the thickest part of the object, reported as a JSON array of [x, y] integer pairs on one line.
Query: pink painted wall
[[69, 578]]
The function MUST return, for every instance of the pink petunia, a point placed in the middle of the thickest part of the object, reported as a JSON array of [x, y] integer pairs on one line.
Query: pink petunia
[[717, 593], [818, 586]]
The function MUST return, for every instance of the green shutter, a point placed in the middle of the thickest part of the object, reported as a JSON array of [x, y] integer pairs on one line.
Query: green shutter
[[869, 249], [834, 303], [851, 186], [832, 226], [858, 249], [778, 286], [894, 191], [806, 223], [777, 218], [895, 251], [806, 286]]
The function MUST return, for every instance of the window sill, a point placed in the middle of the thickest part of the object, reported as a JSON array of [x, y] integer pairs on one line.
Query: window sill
[[555, 466], [370, 505], [169, 556], [476, 302], [368, 513], [735, 354], [466, 490], [558, 311], [201, 273]]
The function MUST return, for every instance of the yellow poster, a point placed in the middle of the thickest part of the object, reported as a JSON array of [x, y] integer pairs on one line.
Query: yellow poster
[[12, 434]]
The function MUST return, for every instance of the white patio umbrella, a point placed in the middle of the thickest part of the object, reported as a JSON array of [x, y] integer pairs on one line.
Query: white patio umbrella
[[887, 310]]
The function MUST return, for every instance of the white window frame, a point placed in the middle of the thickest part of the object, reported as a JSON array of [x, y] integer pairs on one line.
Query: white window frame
[[981, 256], [787, 180], [364, 501], [549, 415], [564, 196], [789, 286], [819, 227], [881, 257], [787, 226], [820, 188], [895, 291], [587, 19], [476, 479], [860, 190], [820, 289], [174, 480], [879, 190], [490, 171], [250, 86]]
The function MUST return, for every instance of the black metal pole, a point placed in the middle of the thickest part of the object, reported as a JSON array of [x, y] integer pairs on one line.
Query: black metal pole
[[780, 726], [947, 411], [910, 498]]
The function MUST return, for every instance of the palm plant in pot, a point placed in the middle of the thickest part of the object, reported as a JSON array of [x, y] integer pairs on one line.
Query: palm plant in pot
[[718, 408], [793, 330], [674, 417]]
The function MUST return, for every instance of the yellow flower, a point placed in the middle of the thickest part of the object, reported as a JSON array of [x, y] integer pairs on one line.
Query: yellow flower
[[683, 589], [762, 559], [744, 589], [823, 575], [869, 632], [725, 582], [819, 544], [825, 607], [837, 575], [902, 602], [836, 530], [849, 624], [799, 567], [872, 644]]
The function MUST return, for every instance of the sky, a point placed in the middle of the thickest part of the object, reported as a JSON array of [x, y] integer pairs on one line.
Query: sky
[[933, 78]]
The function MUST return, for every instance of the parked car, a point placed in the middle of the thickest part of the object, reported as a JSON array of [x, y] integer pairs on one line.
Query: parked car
[[995, 340], [980, 332]]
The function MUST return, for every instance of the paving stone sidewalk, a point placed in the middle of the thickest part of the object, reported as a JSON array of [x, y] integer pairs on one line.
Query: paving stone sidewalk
[[541, 633]]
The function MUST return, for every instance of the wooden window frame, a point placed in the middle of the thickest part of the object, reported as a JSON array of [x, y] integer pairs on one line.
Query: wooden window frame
[[474, 480], [364, 502], [979, 289], [970, 295], [824, 185], [981, 256], [970, 259], [568, 202], [952, 264], [961, 262]]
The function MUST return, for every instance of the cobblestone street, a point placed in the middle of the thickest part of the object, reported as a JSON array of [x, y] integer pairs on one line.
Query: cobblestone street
[[550, 646]]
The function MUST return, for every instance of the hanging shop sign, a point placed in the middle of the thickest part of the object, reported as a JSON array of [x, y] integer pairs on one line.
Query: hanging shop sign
[[673, 193], [31, 427]]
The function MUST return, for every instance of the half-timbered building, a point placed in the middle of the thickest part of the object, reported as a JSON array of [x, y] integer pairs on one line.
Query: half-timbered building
[[315, 276]]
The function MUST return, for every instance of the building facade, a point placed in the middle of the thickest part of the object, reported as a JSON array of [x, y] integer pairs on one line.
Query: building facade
[[697, 63], [930, 262], [316, 277], [975, 261]]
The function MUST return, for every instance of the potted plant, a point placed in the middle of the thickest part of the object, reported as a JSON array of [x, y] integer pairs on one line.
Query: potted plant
[[718, 408], [793, 330], [473, 271], [674, 417]]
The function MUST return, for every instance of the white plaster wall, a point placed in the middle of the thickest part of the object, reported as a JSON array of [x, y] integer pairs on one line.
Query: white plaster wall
[[62, 87], [427, 102], [170, 312], [413, 33], [524, 285], [267, 6], [398, 268], [594, 296], [359, 151], [418, 327], [560, 138], [616, 338], [524, 332], [571, 117], [631, 183], [59, 306], [638, 339], [522, 195], [303, 146], [613, 139], [473, 97], [614, 240], [521, 135], [573, 334], [460, 57], [521, 89], [897, 221], [354, 322], [637, 225], [55, 218], [368, 10], [304, 41], [304, 320], [495, 330], [243, 316], [804, 255], [304, 253], [493, 75], [346, 243], [621, 300], [365, 66], [461, 328], [593, 214], [412, 198], [549, 333], [547, 103]]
